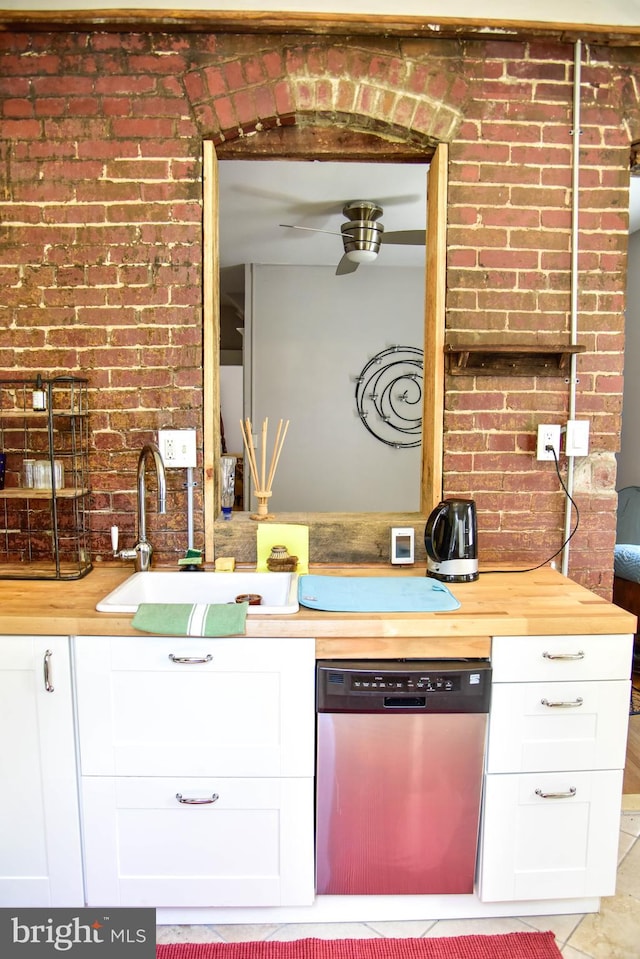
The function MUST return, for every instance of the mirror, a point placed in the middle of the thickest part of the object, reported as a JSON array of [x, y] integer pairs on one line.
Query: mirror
[[307, 335], [433, 383]]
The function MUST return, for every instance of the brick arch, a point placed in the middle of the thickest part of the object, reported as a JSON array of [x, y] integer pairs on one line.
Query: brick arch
[[619, 89], [632, 129], [371, 89]]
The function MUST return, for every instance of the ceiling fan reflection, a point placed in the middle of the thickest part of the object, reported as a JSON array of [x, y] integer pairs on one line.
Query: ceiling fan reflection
[[363, 233]]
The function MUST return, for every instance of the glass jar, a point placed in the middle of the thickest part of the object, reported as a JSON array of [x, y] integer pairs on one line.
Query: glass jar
[[27, 476]]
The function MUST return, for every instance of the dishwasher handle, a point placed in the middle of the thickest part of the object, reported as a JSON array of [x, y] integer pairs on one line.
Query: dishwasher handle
[[408, 702]]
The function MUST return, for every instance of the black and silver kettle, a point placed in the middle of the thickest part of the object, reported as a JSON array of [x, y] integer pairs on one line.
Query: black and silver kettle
[[451, 541]]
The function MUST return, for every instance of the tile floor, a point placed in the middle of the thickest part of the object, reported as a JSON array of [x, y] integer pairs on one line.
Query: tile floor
[[613, 933]]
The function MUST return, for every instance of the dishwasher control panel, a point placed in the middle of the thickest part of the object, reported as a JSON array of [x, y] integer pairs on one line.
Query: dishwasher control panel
[[433, 682], [451, 686]]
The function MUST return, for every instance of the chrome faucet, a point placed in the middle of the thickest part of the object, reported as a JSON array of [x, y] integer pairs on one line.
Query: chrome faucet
[[141, 552]]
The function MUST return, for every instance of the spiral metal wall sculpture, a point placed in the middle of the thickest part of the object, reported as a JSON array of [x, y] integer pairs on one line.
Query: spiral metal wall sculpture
[[389, 396]]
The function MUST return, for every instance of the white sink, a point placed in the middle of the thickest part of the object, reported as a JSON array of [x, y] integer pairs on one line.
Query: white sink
[[279, 591]]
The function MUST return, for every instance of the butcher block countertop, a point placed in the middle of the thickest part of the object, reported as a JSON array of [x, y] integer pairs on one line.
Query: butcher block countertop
[[505, 603]]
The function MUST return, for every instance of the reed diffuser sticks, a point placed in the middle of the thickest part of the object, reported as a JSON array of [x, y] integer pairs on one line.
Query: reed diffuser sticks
[[263, 481]]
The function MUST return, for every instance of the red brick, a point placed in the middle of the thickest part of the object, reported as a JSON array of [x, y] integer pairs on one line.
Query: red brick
[[23, 129], [153, 127], [127, 86]]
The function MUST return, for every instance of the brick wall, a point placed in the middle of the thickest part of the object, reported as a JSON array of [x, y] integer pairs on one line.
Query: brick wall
[[101, 240], [509, 275]]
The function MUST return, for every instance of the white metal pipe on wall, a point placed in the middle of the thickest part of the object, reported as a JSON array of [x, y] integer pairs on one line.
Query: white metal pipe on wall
[[575, 210]]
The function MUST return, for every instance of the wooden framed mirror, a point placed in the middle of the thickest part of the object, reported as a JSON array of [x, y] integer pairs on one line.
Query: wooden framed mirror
[[304, 146]]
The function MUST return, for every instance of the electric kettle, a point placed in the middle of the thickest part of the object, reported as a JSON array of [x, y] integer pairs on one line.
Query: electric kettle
[[451, 541]]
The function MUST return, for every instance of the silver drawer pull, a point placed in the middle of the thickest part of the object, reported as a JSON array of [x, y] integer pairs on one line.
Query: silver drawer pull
[[197, 802], [578, 655], [566, 795], [48, 675], [562, 705], [190, 660]]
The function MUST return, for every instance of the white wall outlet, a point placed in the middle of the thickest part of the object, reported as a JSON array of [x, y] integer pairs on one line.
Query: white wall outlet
[[577, 439], [177, 448], [548, 436]]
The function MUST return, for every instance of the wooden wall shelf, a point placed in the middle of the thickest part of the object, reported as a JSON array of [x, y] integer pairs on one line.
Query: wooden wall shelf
[[44, 493], [490, 359]]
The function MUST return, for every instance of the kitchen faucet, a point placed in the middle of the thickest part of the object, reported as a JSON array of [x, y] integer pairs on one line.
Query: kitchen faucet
[[141, 552]]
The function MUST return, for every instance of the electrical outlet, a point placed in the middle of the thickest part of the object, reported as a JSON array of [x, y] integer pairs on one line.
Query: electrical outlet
[[177, 447], [548, 436]]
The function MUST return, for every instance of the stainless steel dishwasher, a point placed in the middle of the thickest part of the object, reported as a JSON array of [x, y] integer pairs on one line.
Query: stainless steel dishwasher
[[399, 775]]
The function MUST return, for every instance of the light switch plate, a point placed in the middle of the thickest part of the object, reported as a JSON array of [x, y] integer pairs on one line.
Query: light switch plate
[[577, 438]]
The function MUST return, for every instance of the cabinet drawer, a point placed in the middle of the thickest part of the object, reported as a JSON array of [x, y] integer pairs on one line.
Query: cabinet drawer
[[195, 707], [139, 653], [558, 726], [534, 847], [522, 659], [253, 846]]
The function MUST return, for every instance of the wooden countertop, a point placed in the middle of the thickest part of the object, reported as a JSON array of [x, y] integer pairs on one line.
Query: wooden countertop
[[506, 603]]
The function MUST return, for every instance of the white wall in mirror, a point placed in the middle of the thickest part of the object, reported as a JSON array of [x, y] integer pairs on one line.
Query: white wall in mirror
[[311, 336], [634, 203], [256, 196], [309, 332]]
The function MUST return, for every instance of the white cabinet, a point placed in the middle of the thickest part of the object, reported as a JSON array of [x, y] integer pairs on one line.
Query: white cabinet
[[178, 841], [555, 758], [558, 726], [550, 835], [164, 706], [197, 762], [40, 859]]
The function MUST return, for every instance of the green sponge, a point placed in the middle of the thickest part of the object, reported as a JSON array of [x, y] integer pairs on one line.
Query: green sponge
[[193, 557]]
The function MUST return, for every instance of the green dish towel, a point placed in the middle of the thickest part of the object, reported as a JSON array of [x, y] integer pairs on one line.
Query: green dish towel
[[192, 619]]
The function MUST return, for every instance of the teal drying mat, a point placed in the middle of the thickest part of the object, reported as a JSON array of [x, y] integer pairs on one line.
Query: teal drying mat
[[375, 594]]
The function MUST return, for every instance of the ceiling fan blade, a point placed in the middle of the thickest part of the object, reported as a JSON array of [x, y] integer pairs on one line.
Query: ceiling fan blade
[[309, 229], [406, 237], [346, 266]]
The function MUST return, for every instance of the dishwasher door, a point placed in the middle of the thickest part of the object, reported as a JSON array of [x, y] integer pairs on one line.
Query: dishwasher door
[[399, 776]]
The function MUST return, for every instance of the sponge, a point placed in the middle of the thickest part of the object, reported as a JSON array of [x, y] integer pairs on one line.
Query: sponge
[[193, 557]]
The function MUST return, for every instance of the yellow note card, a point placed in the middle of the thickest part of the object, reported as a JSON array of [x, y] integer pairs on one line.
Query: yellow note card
[[293, 536]]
